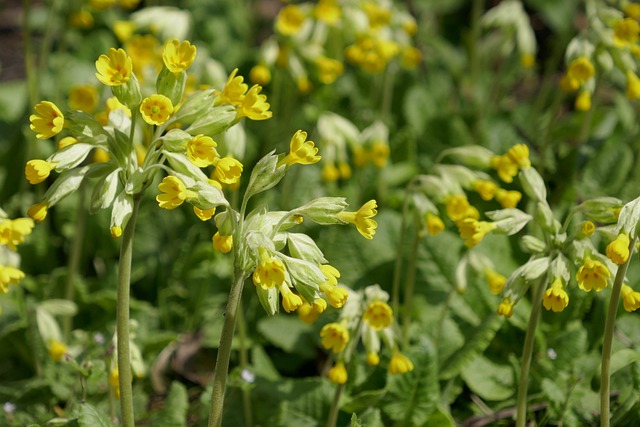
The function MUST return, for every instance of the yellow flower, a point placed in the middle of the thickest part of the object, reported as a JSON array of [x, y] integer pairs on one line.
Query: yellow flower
[[81, 19], [37, 171], [527, 60], [156, 109], [114, 69], [178, 57], [338, 373], [116, 231], [201, 151], [344, 170], [328, 11], [592, 275], [66, 141], [301, 151], [583, 101], [519, 154], [254, 105], [331, 273], [174, 193], [505, 308], [433, 224], [83, 97], [102, 4], [234, 90], [485, 188], [228, 170], [618, 250], [580, 70], [334, 337], [336, 295], [411, 57], [569, 84], [373, 358], [123, 30], [13, 232], [204, 214], [362, 219], [633, 86], [505, 167], [329, 69], [378, 315], [473, 231], [457, 206], [38, 211], [630, 298], [57, 350], [260, 74], [632, 10], [309, 313], [360, 156], [114, 381], [114, 104], [379, 154], [9, 276], [588, 228], [289, 20], [330, 172], [400, 364], [508, 198], [555, 298], [379, 16], [290, 301], [100, 155], [270, 272], [495, 280], [222, 244], [48, 120], [626, 32]]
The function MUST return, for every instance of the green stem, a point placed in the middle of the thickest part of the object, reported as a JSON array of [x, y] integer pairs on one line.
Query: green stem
[[244, 362], [387, 94], [224, 350], [527, 351], [47, 38], [335, 406], [395, 287], [122, 326], [74, 259], [408, 291], [605, 379]]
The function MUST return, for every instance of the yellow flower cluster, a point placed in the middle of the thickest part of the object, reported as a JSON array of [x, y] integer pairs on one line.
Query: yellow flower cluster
[[12, 234]]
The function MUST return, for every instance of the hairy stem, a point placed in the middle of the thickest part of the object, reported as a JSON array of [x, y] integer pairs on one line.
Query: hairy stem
[[408, 290]]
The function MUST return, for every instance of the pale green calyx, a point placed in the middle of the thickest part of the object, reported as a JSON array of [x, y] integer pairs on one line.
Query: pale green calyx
[[533, 244], [323, 210], [304, 247], [509, 221], [533, 184]]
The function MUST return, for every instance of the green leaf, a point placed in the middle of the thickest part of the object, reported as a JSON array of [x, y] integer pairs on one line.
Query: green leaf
[[608, 169], [262, 364], [289, 334], [489, 380], [413, 396], [174, 413], [622, 358], [90, 417], [440, 418]]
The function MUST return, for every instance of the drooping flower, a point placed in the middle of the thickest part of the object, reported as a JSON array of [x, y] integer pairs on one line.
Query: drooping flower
[[227, 170], [583, 101], [433, 224], [592, 275], [289, 20], [260, 74], [48, 120], [519, 154], [270, 272], [336, 295], [290, 301], [378, 315], [400, 364], [373, 358], [495, 280], [458, 208], [156, 109], [174, 193], [618, 250], [580, 70], [204, 214], [334, 337], [114, 381], [330, 172], [116, 231], [362, 219], [505, 167], [222, 244], [57, 350], [329, 69], [508, 198], [555, 298], [13, 232], [309, 313], [485, 188], [115, 68], [178, 57], [38, 211], [626, 32], [379, 154], [633, 86], [338, 373], [630, 298], [328, 11], [37, 170], [9, 276], [473, 231], [254, 105], [66, 141], [84, 98], [233, 91], [505, 308], [301, 151], [201, 150]]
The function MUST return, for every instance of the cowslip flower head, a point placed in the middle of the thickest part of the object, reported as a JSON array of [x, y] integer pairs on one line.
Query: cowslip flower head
[[48, 120], [270, 272], [84, 98], [174, 193], [336, 295], [473, 231], [114, 381], [583, 101], [433, 224], [233, 91], [115, 68], [66, 141], [495, 280], [508, 198], [587, 228], [485, 188], [289, 21], [334, 337], [329, 69], [37, 171], [505, 167], [592, 275], [156, 109], [57, 350], [290, 301], [309, 313], [618, 250], [222, 244], [204, 214], [301, 151], [378, 315], [626, 32], [254, 105], [373, 358], [9, 276], [201, 150], [338, 373], [633, 86], [580, 70], [330, 172], [379, 154], [555, 298], [13, 232], [227, 170], [519, 154], [38, 212], [400, 364], [178, 57], [328, 11], [505, 308], [362, 219], [630, 298], [458, 208], [260, 74], [116, 231]]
